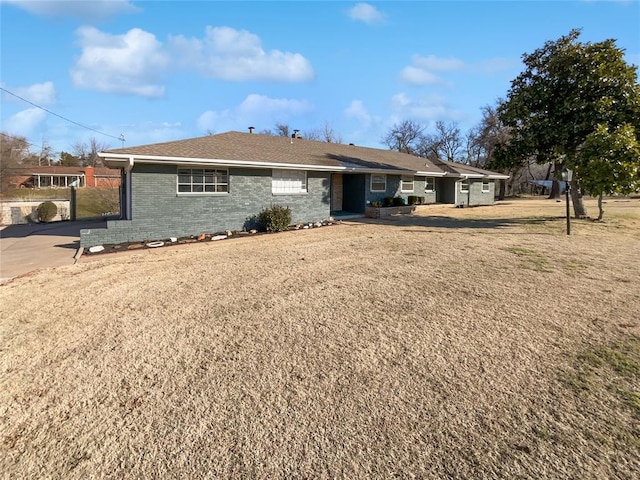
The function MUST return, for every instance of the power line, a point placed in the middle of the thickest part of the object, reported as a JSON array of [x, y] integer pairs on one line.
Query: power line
[[41, 147], [120, 138]]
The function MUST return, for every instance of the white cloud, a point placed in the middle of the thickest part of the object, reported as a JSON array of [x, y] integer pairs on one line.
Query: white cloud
[[431, 62], [211, 120], [255, 109], [131, 63], [237, 55], [418, 76], [366, 13], [40, 93], [429, 107], [92, 10], [423, 70], [24, 122], [134, 62], [357, 110], [260, 104]]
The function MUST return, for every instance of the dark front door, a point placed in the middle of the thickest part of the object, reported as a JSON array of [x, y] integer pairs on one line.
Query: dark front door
[[353, 193]]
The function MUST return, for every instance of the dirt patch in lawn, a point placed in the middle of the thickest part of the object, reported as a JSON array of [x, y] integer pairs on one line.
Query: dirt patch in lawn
[[452, 343]]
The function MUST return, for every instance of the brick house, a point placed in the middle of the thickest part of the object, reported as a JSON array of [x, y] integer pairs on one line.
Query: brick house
[[219, 182], [63, 177]]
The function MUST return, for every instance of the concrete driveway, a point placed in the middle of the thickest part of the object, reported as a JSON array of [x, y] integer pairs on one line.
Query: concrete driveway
[[25, 248]]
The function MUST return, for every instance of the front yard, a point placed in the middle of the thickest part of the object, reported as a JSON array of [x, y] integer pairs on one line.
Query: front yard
[[454, 343]]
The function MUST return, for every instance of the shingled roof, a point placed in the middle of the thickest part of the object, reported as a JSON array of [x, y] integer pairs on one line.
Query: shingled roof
[[252, 148], [455, 168]]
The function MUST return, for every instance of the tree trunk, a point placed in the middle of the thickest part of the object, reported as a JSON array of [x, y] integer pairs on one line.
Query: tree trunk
[[555, 190], [502, 189], [600, 209], [555, 186], [576, 197]]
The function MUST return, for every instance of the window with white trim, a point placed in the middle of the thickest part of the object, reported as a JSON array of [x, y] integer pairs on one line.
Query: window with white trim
[[430, 184], [406, 184], [464, 185], [288, 181], [485, 186], [203, 180], [378, 183]]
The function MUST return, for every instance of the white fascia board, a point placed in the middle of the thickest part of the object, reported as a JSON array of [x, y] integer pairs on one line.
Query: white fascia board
[[126, 162], [118, 159], [471, 175], [430, 174], [499, 177]]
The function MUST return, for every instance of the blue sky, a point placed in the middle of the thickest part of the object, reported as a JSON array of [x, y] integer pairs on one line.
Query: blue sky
[[164, 70]]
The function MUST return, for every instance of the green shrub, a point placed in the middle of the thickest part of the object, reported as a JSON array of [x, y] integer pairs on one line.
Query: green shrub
[[387, 201], [376, 204], [413, 200], [275, 219], [46, 211], [398, 201]]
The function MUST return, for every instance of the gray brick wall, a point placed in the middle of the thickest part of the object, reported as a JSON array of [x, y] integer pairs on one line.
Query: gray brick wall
[[394, 190], [476, 196], [158, 212]]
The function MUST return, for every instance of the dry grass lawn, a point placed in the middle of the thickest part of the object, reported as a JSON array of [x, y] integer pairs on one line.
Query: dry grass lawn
[[454, 343]]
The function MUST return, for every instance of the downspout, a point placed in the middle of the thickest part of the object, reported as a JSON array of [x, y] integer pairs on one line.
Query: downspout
[[469, 192], [127, 189], [455, 193]]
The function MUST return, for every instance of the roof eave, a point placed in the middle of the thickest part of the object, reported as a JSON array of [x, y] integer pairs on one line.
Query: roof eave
[[122, 160]]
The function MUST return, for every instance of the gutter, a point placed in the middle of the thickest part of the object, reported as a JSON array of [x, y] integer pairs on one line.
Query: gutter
[[127, 162]]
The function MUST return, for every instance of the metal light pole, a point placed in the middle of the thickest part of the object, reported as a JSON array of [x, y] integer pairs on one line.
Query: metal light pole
[[567, 175]]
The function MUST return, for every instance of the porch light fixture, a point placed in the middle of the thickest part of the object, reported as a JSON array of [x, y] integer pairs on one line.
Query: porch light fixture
[[567, 175]]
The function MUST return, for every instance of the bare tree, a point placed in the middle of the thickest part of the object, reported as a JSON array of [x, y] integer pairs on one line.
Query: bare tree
[[329, 135], [282, 130], [405, 137], [46, 153], [445, 144], [313, 134], [87, 153], [13, 152], [483, 139], [324, 134]]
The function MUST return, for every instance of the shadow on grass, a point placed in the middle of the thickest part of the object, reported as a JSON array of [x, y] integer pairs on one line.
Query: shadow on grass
[[437, 221]]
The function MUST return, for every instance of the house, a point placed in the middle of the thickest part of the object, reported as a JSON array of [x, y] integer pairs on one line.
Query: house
[[63, 177], [220, 182]]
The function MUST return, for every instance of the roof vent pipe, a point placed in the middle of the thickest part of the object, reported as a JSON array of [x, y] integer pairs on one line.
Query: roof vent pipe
[[251, 129]]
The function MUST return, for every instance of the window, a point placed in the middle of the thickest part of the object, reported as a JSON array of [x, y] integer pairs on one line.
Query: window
[[378, 183], [464, 186], [430, 184], [485, 186], [288, 181], [406, 184], [203, 180]]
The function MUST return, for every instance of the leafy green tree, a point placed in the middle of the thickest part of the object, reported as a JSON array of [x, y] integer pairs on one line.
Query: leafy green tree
[[609, 162], [566, 92]]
